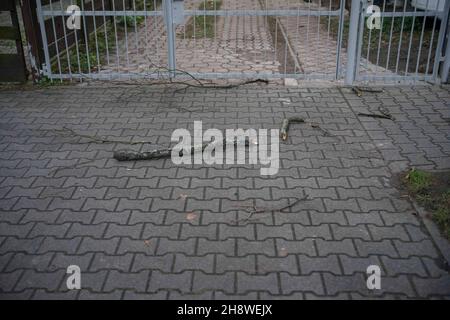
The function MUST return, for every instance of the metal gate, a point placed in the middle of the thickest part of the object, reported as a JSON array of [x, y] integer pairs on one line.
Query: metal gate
[[128, 39], [161, 39], [407, 45]]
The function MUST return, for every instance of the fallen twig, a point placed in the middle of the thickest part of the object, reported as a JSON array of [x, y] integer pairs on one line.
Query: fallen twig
[[216, 86], [131, 155], [268, 210], [374, 115], [285, 126], [360, 89], [382, 115]]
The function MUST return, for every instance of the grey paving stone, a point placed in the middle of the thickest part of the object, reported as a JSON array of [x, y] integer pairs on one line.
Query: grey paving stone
[[309, 265], [40, 280], [35, 262], [152, 229], [102, 261], [277, 264], [178, 281], [311, 283], [124, 280], [224, 282], [246, 283], [246, 264]]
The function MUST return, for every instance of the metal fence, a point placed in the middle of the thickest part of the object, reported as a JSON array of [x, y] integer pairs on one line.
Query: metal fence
[[131, 39], [407, 46], [211, 39]]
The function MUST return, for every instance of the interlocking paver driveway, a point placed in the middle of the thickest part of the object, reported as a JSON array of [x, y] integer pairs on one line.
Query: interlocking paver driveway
[[151, 229]]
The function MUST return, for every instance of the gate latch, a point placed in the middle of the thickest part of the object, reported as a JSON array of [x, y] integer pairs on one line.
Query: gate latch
[[178, 11]]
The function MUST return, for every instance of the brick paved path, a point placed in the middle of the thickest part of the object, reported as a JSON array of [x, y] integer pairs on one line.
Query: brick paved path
[[151, 229]]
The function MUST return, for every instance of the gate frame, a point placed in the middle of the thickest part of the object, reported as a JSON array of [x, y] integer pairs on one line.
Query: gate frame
[[355, 41], [172, 71]]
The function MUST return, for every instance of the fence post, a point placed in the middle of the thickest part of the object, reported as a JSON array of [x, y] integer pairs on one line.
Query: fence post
[[352, 42], [168, 17], [446, 66], [33, 36]]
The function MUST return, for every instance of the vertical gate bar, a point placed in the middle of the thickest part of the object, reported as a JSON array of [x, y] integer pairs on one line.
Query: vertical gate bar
[[297, 35], [266, 27], [421, 39], [194, 17], [65, 41], [136, 30], [410, 43], [116, 37], [318, 38], [355, 16], [106, 33], [204, 20], [170, 37], [388, 58], [369, 43], [155, 18], [125, 19], [285, 42], [215, 22], [340, 34], [307, 24], [441, 39], [275, 57], [380, 35], [56, 42], [446, 66], [432, 41], [360, 41], [44, 38], [94, 18], [401, 37], [146, 53], [328, 34], [86, 38], [77, 49]]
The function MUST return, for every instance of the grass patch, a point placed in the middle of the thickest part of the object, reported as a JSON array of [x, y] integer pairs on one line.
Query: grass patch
[[202, 26], [432, 191]]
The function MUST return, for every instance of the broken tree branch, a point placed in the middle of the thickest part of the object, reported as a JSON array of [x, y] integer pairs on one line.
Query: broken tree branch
[[131, 155], [269, 210], [384, 114], [360, 89], [285, 126]]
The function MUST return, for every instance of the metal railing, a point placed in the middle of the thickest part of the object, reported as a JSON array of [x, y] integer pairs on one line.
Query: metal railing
[[255, 38], [407, 46], [320, 39]]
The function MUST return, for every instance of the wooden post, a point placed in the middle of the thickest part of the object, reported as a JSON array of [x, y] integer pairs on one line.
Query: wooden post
[[12, 65], [34, 46]]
